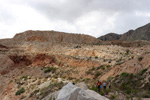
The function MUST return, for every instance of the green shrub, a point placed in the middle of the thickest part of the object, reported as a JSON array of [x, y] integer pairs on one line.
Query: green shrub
[[124, 74], [90, 71], [140, 58], [107, 66], [97, 74], [143, 71], [50, 69], [103, 68], [22, 90], [96, 57], [24, 77], [78, 46], [93, 68], [127, 52]]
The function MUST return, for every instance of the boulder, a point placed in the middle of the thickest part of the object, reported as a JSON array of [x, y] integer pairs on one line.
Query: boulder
[[72, 92], [5, 62]]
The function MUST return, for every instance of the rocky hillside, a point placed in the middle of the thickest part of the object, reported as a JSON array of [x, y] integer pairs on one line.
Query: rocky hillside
[[141, 33], [110, 37], [36, 64], [132, 66], [53, 37]]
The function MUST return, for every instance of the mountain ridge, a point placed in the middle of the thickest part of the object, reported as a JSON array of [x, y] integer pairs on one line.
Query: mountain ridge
[[141, 33], [53, 37]]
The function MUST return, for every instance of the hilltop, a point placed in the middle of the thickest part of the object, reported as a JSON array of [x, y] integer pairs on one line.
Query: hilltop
[[52, 37], [141, 33]]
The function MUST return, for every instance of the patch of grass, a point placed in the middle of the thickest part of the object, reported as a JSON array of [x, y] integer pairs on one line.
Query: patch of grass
[[20, 91]]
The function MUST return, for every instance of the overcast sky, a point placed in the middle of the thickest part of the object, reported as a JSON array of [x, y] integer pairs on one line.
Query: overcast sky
[[93, 17]]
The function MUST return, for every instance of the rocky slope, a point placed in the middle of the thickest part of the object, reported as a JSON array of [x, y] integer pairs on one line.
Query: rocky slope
[[52, 37], [141, 33], [131, 66], [35, 64], [110, 37]]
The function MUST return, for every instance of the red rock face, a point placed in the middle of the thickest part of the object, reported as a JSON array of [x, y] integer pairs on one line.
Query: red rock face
[[36, 38]]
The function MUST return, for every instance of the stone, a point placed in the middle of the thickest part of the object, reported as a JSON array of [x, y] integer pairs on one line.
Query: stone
[[72, 92]]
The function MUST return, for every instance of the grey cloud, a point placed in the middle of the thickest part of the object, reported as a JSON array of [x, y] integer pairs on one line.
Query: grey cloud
[[73, 11]]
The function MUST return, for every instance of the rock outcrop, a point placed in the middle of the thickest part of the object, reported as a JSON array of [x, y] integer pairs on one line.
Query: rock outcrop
[[72, 92], [5, 63], [53, 37], [110, 37]]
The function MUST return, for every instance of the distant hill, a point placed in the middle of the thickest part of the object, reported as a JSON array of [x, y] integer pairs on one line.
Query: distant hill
[[110, 37], [52, 37], [141, 33]]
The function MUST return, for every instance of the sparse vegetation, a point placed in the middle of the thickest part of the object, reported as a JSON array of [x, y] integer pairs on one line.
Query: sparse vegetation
[[142, 71], [96, 57], [97, 74], [50, 69], [112, 97], [127, 52], [140, 58], [24, 77], [20, 91], [132, 84]]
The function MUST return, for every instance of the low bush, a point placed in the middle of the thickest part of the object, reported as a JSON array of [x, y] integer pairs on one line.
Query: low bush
[[22, 90], [97, 74], [50, 69], [124, 74], [96, 57], [140, 58], [143, 71]]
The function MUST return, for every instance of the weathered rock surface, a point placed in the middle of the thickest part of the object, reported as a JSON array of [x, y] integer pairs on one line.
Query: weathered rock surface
[[5, 63], [53, 37], [72, 92], [110, 37]]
